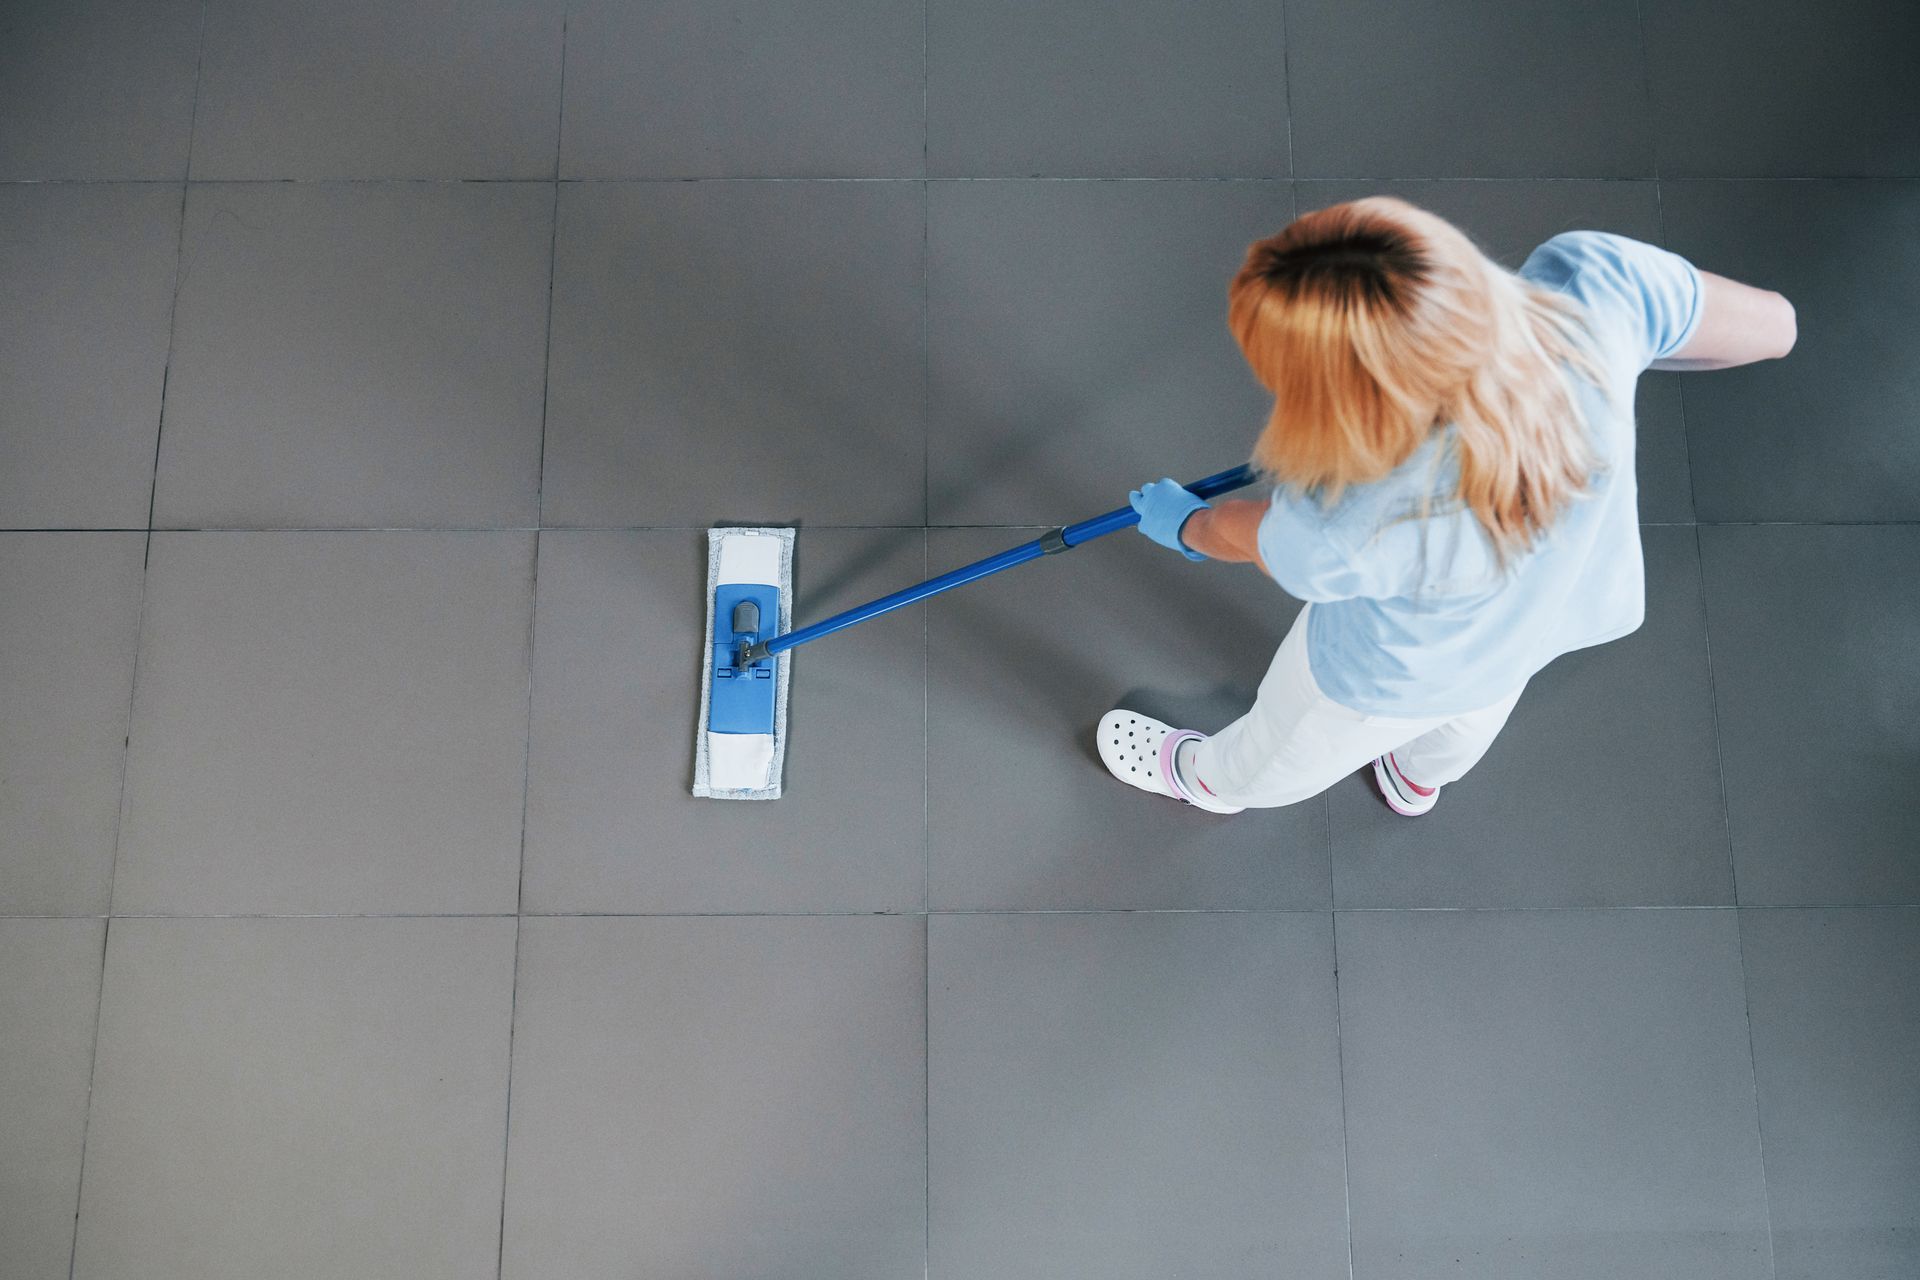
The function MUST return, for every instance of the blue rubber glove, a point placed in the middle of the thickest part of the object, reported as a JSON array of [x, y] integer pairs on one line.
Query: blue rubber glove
[[1164, 506]]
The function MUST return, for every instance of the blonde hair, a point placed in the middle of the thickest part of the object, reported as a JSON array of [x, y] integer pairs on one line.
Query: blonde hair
[[1375, 324]]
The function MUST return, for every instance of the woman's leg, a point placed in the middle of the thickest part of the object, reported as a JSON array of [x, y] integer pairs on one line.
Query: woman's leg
[[1444, 754], [1294, 742]]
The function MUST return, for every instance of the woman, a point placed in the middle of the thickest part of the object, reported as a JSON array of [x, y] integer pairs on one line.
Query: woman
[[1452, 449]]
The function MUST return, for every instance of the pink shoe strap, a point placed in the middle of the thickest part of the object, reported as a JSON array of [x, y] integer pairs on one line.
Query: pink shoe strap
[[1401, 774], [1169, 748]]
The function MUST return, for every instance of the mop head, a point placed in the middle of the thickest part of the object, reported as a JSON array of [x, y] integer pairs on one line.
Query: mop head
[[740, 744]]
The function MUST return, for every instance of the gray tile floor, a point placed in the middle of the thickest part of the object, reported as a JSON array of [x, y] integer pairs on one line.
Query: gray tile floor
[[367, 374]]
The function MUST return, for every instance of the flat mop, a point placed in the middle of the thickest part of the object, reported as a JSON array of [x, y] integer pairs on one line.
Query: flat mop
[[740, 746]]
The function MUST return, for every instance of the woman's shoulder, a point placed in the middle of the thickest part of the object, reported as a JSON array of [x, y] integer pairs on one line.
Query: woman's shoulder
[[1638, 295], [1574, 259]]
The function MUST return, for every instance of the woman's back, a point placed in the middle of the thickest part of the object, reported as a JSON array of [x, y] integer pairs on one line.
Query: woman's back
[[1416, 612]]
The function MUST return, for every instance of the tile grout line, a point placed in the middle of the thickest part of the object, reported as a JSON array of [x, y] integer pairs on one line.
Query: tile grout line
[[533, 631], [1713, 702], [506, 1125], [120, 812], [553, 254], [956, 912], [926, 644], [926, 922], [1340, 1065], [1753, 1070], [926, 356], [86, 1118], [1733, 882], [518, 917], [179, 275], [1213, 179], [1646, 90], [1339, 1051], [926, 1096], [1286, 92], [139, 630]]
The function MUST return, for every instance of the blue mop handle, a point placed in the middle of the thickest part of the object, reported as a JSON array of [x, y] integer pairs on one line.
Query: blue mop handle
[[1049, 543]]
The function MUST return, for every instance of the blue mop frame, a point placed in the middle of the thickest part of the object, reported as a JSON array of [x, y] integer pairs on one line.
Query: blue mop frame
[[1050, 543]]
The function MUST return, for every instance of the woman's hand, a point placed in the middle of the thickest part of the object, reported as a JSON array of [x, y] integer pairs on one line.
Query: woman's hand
[[1174, 517], [1164, 507]]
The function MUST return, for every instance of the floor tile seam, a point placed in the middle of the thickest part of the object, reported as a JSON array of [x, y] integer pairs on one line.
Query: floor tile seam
[[133, 681], [520, 878], [553, 259], [1753, 1076], [926, 519], [957, 912], [1376, 910], [133, 706], [166, 367], [1326, 820], [1646, 87], [532, 641], [179, 279], [1286, 104], [642, 180], [1804, 524], [926, 1097], [560, 109], [1713, 702], [926, 356], [299, 915], [199, 68], [539, 497], [86, 1111], [1340, 1064], [506, 1119], [1537, 908], [926, 918], [926, 734], [1665, 906], [926, 87], [1703, 178], [139, 644], [1516, 178]]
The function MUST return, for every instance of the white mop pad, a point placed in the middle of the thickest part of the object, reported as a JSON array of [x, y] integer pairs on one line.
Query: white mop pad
[[739, 752]]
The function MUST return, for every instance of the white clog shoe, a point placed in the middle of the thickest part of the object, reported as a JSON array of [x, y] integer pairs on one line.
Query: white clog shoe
[[1138, 750]]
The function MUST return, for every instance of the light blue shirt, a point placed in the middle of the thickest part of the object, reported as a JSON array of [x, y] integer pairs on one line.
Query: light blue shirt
[[1416, 618]]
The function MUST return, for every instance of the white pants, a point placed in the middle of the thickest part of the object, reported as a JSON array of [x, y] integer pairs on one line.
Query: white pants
[[1296, 742]]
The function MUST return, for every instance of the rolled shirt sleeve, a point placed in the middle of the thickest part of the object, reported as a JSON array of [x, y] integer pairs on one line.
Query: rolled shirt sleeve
[[1300, 554], [1650, 295]]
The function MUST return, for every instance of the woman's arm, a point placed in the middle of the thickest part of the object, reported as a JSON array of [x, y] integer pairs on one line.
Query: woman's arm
[[1227, 531], [1739, 324]]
